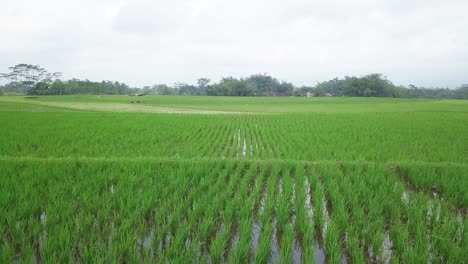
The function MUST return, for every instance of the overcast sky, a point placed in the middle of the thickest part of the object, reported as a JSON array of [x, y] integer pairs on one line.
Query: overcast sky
[[143, 42]]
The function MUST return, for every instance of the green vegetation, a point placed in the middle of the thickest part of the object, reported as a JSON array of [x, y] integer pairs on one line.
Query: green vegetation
[[34, 80], [214, 180]]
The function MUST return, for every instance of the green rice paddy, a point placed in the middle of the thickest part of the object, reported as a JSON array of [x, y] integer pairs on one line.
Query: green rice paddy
[[97, 179]]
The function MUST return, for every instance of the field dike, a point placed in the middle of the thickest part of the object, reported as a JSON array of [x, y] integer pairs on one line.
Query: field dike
[[128, 107]]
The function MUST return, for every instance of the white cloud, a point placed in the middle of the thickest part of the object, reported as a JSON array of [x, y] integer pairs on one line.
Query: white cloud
[[143, 42]]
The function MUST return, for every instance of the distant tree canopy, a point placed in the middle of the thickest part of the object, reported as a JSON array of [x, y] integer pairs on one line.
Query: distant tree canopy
[[372, 85], [255, 85], [34, 80], [376, 85], [27, 76]]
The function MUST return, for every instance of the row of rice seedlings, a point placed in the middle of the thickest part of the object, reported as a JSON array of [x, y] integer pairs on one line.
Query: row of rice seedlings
[[303, 211], [264, 250], [266, 139], [105, 210], [370, 197], [147, 232], [174, 209], [320, 213], [442, 182], [388, 219], [203, 222], [218, 139], [183, 221], [335, 219], [258, 197], [188, 246], [244, 202], [437, 237], [65, 134], [216, 226], [116, 222], [260, 145], [67, 215], [290, 250], [227, 231]]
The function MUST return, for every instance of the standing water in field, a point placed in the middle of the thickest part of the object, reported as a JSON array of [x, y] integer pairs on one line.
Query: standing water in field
[[238, 143], [320, 255], [297, 250], [256, 229], [387, 251], [43, 235], [146, 242], [308, 202], [244, 149], [275, 247], [405, 197]]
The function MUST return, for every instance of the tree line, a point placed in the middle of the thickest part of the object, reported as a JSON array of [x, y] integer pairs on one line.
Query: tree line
[[34, 80]]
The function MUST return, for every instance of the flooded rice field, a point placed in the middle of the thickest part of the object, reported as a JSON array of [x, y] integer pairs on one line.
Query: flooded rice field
[[241, 212]]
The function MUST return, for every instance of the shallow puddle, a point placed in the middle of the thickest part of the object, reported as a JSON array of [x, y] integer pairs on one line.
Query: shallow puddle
[[145, 243], [370, 254], [244, 148], [255, 236], [430, 207], [387, 249], [344, 259], [238, 143], [235, 239], [43, 234], [275, 247], [261, 209], [43, 218], [308, 202], [297, 252], [405, 197], [319, 253], [326, 217]]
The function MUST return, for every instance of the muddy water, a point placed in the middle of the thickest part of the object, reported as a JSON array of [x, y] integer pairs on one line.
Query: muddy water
[[145, 243], [297, 252], [235, 238], [345, 247], [405, 197], [109, 239], [387, 249], [275, 247], [276, 237], [262, 202], [255, 236], [238, 143], [326, 217], [430, 207], [308, 201], [43, 235], [244, 148], [319, 253], [370, 254]]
